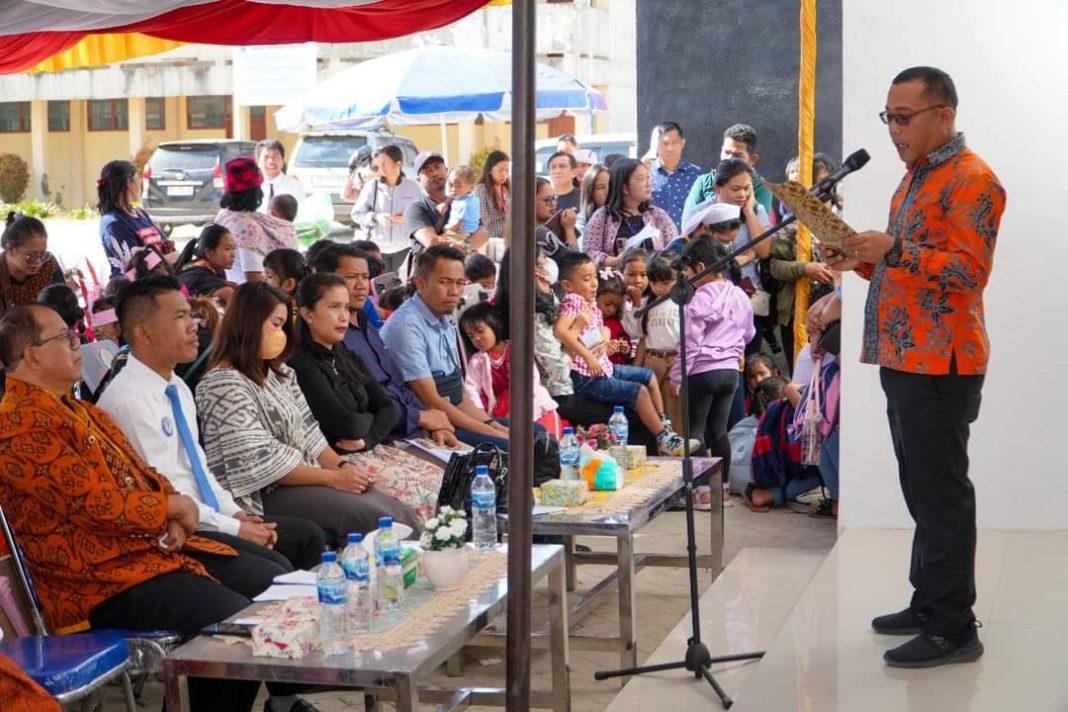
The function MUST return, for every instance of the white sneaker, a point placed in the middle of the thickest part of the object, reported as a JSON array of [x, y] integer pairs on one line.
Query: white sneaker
[[672, 445]]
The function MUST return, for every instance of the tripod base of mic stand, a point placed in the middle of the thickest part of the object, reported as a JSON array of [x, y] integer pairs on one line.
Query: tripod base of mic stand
[[698, 661]]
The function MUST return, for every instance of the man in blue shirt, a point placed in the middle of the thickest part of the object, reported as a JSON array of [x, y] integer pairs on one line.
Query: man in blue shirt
[[672, 176], [362, 338], [422, 340]]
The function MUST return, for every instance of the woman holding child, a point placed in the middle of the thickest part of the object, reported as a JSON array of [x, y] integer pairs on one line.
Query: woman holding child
[[255, 233]]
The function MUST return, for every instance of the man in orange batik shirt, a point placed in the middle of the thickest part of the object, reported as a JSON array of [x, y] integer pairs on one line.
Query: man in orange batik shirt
[[923, 325], [108, 540]]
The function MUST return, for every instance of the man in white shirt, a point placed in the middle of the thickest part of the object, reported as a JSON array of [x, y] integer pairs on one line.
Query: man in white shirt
[[271, 158], [157, 412]]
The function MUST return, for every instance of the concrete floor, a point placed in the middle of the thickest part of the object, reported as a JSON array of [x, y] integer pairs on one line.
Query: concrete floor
[[662, 597]]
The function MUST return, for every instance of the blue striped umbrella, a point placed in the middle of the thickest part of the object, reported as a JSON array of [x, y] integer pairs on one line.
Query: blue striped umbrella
[[428, 86]]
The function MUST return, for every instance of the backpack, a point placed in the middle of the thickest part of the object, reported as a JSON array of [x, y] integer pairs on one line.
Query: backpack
[[742, 437], [777, 454]]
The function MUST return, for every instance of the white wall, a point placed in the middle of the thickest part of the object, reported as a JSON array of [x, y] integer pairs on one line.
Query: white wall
[[1009, 67]]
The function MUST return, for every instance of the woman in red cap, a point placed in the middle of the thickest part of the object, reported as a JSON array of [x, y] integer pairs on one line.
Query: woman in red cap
[[256, 233]]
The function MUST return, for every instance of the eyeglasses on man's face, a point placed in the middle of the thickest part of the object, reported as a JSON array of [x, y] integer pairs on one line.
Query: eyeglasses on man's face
[[903, 119], [72, 339]]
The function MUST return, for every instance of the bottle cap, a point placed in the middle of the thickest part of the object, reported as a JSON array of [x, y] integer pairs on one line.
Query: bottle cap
[[385, 522], [481, 470], [355, 537], [617, 409], [329, 557], [569, 431]]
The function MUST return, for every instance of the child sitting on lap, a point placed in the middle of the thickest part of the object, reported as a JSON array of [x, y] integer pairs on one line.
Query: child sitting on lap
[[580, 328]]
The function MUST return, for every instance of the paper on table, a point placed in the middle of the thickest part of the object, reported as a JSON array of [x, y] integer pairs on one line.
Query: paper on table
[[285, 592], [540, 509], [432, 448], [299, 577]]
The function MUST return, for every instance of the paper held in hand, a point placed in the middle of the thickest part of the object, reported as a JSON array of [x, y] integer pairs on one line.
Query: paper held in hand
[[828, 228]]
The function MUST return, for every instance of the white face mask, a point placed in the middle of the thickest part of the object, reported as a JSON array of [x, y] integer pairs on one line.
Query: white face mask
[[552, 272]]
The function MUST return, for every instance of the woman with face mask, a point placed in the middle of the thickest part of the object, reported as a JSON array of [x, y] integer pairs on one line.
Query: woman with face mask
[[260, 437]]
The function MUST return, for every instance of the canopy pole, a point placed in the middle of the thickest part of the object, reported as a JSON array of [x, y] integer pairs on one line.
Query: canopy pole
[[806, 129], [444, 138], [521, 332]]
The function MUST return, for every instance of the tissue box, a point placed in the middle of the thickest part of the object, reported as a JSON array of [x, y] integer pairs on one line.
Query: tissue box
[[409, 566], [564, 493], [292, 633], [635, 456]]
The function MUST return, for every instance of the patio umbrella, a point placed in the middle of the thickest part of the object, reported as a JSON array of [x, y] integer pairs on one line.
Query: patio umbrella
[[431, 85]]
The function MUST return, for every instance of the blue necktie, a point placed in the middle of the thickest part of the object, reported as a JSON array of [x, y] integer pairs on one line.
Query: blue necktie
[[190, 448]]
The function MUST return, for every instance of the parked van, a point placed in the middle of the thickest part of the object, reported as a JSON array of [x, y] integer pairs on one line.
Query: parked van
[[183, 180]]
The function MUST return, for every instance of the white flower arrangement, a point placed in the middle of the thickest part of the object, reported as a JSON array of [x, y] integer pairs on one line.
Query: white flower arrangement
[[445, 531]]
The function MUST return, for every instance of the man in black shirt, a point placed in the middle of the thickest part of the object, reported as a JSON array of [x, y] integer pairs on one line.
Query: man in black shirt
[[425, 219]]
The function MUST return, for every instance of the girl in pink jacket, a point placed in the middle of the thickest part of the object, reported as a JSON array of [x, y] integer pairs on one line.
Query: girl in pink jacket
[[489, 363]]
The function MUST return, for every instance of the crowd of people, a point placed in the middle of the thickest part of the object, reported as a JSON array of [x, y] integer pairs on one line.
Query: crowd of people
[[211, 417]]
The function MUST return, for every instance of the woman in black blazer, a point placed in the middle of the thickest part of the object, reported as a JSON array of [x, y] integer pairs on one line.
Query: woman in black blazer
[[354, 412]]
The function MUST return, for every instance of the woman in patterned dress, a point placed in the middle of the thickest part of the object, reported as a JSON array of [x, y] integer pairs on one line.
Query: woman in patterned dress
[[261, 439], [354, 412]]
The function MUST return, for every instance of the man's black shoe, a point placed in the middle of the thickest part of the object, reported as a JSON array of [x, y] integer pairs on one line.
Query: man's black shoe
[[926, 650], [906, 622]]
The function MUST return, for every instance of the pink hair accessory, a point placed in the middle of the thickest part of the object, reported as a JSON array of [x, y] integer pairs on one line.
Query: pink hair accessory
[[152, 260], [104, 317]]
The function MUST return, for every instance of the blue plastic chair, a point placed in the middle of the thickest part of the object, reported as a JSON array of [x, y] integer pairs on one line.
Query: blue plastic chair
[[73, 667], [144, 649]]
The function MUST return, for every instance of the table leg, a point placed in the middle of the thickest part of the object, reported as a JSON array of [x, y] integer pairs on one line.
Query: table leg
[[628, 645], [558, 631], [176, 690], [454, 666], [569, 561], [407, 695]]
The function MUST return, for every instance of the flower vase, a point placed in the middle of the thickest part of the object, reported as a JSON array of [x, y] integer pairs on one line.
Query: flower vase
[[445, 568]]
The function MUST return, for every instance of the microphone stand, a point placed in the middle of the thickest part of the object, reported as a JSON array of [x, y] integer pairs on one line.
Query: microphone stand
[[698, 660]]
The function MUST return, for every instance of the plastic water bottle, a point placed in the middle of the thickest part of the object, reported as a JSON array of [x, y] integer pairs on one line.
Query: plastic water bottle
[[811, 439], [483, 509], [356, 563], [619, 431], [570, 455], [390, 574], [331, 584]]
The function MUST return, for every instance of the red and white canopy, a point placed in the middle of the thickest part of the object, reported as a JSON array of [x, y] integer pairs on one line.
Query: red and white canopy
[[33, 30]]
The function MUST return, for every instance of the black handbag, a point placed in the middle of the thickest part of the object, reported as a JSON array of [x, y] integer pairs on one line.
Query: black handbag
[[455, 489]]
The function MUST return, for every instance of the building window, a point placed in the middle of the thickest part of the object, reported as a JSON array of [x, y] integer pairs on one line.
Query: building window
[[59, 116], [207, 112], [155, 114], [109, 115], [14, 116]]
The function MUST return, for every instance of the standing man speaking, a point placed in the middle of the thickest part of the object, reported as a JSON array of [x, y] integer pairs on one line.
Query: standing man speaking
[[924, 328]]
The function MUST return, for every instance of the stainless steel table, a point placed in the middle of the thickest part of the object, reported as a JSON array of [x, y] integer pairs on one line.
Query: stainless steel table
[[390, 673], [622, 527]]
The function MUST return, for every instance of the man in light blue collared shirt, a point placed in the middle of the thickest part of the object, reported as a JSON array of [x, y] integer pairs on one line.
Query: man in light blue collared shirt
[[421, 336]]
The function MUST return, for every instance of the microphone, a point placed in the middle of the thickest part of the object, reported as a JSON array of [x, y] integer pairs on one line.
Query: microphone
[[854, 162]]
